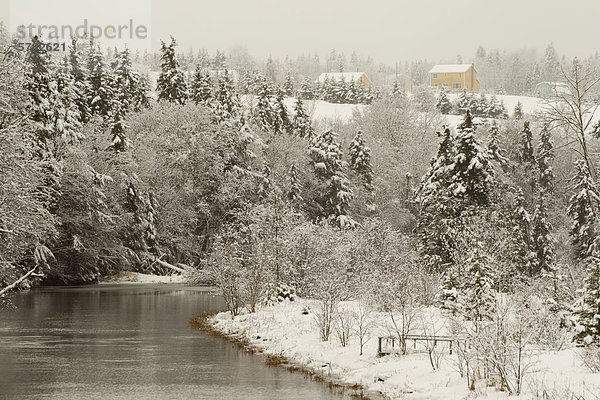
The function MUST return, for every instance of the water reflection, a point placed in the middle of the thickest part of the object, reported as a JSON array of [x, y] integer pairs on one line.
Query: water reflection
[[135, 341]]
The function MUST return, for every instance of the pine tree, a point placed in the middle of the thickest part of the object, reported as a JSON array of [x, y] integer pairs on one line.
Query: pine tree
[[493, 146], [63, 113], [360, 160], [142, 236], [100, 83], [544, 158], [443, 104], [171, 84], [141, 97], [119, 142], [326, 159], [301, 124], [288, 85], [527, 153], [265, 115], [583, 207], [294, 194], [518, 111], [436, 209], [54, 97], [522, 241], [542, 239], [588, 317], [201, 88], [472, 171], [126, 81], [460, 178], [307, 91], [480, 297], [464, 102], [80, 76], [282, 111], [227, 103]]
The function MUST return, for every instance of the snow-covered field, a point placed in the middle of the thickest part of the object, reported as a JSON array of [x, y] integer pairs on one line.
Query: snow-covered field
[[283, 330], [136, 277]]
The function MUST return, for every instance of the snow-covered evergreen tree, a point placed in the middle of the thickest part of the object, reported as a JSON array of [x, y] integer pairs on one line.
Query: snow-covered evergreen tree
[[288, 84], [284, 115], [265, 115], [100, 81], [227, 103], [583, 208], [294, 194], [542, 239], [472, 172], [544, 158], [126, 81], [301, 123], [443, 104], [307, 90], [171, 84], [518, 111], [79, 73], [464, 102], [493, 145], [119, 142], [588, 317], [360, 160], [141, 97], [460, 178], [479, 293], [63, 113], [201, 87], [326, 159], [527, 153], [143, 234], [523, 255]]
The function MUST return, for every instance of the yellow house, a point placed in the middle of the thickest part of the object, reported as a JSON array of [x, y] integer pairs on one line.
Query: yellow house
[[359, 78], [455, 77]]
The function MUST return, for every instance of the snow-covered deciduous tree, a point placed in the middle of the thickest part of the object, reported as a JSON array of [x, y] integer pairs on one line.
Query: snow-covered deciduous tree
[[329, 167], [171, 84]]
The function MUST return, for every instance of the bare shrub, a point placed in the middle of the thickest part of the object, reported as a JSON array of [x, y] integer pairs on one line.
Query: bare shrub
[[344, 324], [365, 323], [590, 357]]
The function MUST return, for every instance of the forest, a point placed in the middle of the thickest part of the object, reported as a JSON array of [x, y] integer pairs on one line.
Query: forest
[[495, 220]]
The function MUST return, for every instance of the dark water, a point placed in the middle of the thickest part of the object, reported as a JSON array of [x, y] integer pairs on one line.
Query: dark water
[[134, 341]]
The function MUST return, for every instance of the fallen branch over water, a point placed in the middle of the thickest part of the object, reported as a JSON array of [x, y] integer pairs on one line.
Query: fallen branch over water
[[18, 281]]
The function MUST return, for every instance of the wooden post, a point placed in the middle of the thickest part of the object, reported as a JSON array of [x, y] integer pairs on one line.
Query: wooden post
[[379, 348]]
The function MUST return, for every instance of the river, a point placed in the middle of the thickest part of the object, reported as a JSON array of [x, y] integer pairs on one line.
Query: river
[[131, 342]]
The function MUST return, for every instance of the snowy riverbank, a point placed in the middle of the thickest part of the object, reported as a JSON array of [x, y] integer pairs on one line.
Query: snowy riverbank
[[284, 331], [136, 277]]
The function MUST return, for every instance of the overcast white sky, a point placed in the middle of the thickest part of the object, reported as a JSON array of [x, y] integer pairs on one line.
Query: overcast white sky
[[390, 30]]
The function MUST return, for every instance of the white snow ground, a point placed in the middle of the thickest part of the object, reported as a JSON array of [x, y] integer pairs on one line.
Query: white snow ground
[[283, 330]]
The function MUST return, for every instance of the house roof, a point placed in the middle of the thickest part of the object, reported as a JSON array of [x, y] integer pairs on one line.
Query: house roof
[[338, 76], [449, 68]]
